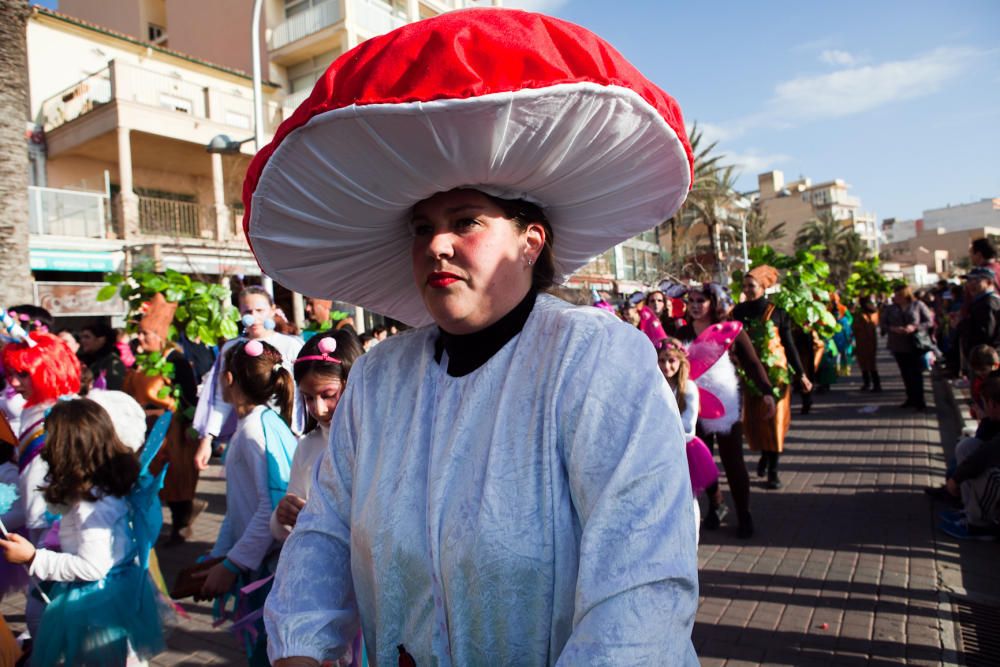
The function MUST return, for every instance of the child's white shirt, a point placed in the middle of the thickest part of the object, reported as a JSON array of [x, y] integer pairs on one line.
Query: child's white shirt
[[28, 511], [93, 537], [307, 455], [245, 534]]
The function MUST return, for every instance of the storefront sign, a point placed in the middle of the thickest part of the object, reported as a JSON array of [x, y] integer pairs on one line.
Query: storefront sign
[[76, 299], [73, 260]]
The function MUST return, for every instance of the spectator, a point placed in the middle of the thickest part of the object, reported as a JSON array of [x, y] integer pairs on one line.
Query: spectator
[[902, 320], [983, 254], [69, 338], [99, 352], [981, 326], [976, 478]]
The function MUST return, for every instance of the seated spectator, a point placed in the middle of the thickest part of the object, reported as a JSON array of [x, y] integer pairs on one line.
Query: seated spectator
[[984, 362], [976, 477]]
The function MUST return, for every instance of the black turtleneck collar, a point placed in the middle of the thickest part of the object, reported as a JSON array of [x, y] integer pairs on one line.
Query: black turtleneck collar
[[468, 352]]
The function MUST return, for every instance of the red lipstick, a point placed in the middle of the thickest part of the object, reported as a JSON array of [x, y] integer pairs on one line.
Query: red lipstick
[[440, 279]]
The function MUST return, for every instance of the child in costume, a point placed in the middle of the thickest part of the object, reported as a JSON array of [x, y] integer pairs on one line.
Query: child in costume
[[104, 609], [42, 369], [258, 465], [321, 372], [676, 369]]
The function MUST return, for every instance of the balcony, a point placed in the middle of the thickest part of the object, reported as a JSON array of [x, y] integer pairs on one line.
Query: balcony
[[306, 23], [170, 217], [156, 102], [67, 213]]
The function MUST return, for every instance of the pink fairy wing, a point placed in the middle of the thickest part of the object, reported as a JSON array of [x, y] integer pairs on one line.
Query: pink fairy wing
[[710, 345], [710, 407], [701, 466]]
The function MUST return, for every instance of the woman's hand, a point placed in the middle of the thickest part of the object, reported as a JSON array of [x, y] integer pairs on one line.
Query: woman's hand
[[952, 487], [218, 581], [806, 384], [204, 453], [288, 509], [769, 407], [17, 550], [909, 328]]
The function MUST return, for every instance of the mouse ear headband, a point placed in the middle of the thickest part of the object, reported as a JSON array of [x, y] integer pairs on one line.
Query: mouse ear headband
[[327, 346]]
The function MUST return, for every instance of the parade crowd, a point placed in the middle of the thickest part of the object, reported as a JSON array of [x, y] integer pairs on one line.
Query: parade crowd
[[514, 479]]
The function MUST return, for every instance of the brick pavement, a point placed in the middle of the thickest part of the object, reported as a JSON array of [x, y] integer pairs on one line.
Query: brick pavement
[[845, 567]]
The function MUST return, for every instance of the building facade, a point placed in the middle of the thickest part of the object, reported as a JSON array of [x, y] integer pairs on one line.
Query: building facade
[[796, 202]]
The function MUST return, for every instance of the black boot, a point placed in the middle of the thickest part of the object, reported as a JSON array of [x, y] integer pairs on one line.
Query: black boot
[[762, 465], [866, 379], [745, 529], [180, 522], [716, 508], [807, 403], [876, 382], [772, 471]]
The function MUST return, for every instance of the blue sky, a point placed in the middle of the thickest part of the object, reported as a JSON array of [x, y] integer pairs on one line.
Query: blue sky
[[899, 99]]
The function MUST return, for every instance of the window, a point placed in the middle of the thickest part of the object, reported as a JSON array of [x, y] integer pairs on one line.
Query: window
[[293, 7], [302, 76], [156, 33], [176, 103], [237, 119]]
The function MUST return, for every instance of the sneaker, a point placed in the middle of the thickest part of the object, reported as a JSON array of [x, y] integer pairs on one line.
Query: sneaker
[[938, 492], [963, 530], [714, 516], [952, 516]]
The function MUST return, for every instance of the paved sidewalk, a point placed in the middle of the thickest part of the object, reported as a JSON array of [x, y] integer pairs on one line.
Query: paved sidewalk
[[844, 566]]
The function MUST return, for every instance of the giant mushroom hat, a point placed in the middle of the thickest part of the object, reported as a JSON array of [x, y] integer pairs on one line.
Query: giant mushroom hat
[[515, 104]]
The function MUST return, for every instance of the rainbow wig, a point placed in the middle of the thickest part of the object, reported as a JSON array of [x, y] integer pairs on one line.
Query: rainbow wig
[[53, 368]]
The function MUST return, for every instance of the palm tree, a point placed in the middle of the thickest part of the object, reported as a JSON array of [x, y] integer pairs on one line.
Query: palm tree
[[841, 245], [15, 266], [705, 167], [759, 234]]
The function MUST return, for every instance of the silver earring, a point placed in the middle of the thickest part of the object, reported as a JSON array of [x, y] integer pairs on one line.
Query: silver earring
[[530, 261]]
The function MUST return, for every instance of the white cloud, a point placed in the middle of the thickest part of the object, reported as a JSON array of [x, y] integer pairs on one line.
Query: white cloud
[[835, 57], [850, 90], [752, 162], [543, 6]]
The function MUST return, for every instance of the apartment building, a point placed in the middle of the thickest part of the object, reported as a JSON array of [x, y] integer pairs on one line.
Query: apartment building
[[124, 97], [798, 201]]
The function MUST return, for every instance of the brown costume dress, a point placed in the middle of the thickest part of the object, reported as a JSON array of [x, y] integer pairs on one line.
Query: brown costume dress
[[866, 339], [178, 449]]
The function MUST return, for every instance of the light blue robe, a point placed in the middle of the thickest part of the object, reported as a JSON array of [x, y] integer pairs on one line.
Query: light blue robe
[[533, 512]]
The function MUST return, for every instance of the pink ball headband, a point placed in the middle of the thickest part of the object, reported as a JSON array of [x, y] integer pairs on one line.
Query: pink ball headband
[[254, 348], [327, 346]]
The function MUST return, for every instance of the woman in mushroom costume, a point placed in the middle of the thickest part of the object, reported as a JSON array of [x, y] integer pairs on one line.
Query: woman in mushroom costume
[[485, 498]]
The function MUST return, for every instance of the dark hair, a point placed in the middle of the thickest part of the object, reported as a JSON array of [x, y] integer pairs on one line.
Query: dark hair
[[259, 291], [985, 248], [100, 330], [35, 314], [84, 454], [713, 300], [524, 213], [983, 358], [261, 378], [991, 390], [348, 350]]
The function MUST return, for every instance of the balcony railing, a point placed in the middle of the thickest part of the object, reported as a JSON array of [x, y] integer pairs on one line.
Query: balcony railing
[[132, 83], [78, 99], [236, 221], [169, 217], [306, 23], [67, 212]]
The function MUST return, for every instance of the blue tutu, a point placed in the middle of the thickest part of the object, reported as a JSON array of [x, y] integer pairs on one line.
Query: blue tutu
[[96, 622]]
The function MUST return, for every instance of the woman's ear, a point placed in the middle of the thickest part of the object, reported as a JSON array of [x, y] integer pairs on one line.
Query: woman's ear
[[534, 236]]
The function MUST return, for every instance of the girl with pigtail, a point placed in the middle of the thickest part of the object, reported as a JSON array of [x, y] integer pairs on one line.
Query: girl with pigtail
[[321, 371], [258, 465]]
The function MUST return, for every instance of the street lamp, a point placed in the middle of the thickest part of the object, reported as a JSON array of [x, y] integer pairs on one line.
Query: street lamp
[[223, 145]]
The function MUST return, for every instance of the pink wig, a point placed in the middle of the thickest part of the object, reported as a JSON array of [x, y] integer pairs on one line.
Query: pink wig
[[53, 368]]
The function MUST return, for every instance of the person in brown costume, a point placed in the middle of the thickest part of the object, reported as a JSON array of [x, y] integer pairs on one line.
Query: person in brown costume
[[178, 448], [769, 327], [866, 342]]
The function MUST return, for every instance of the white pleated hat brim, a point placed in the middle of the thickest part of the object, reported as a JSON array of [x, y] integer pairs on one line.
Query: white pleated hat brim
[[329, 216]]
